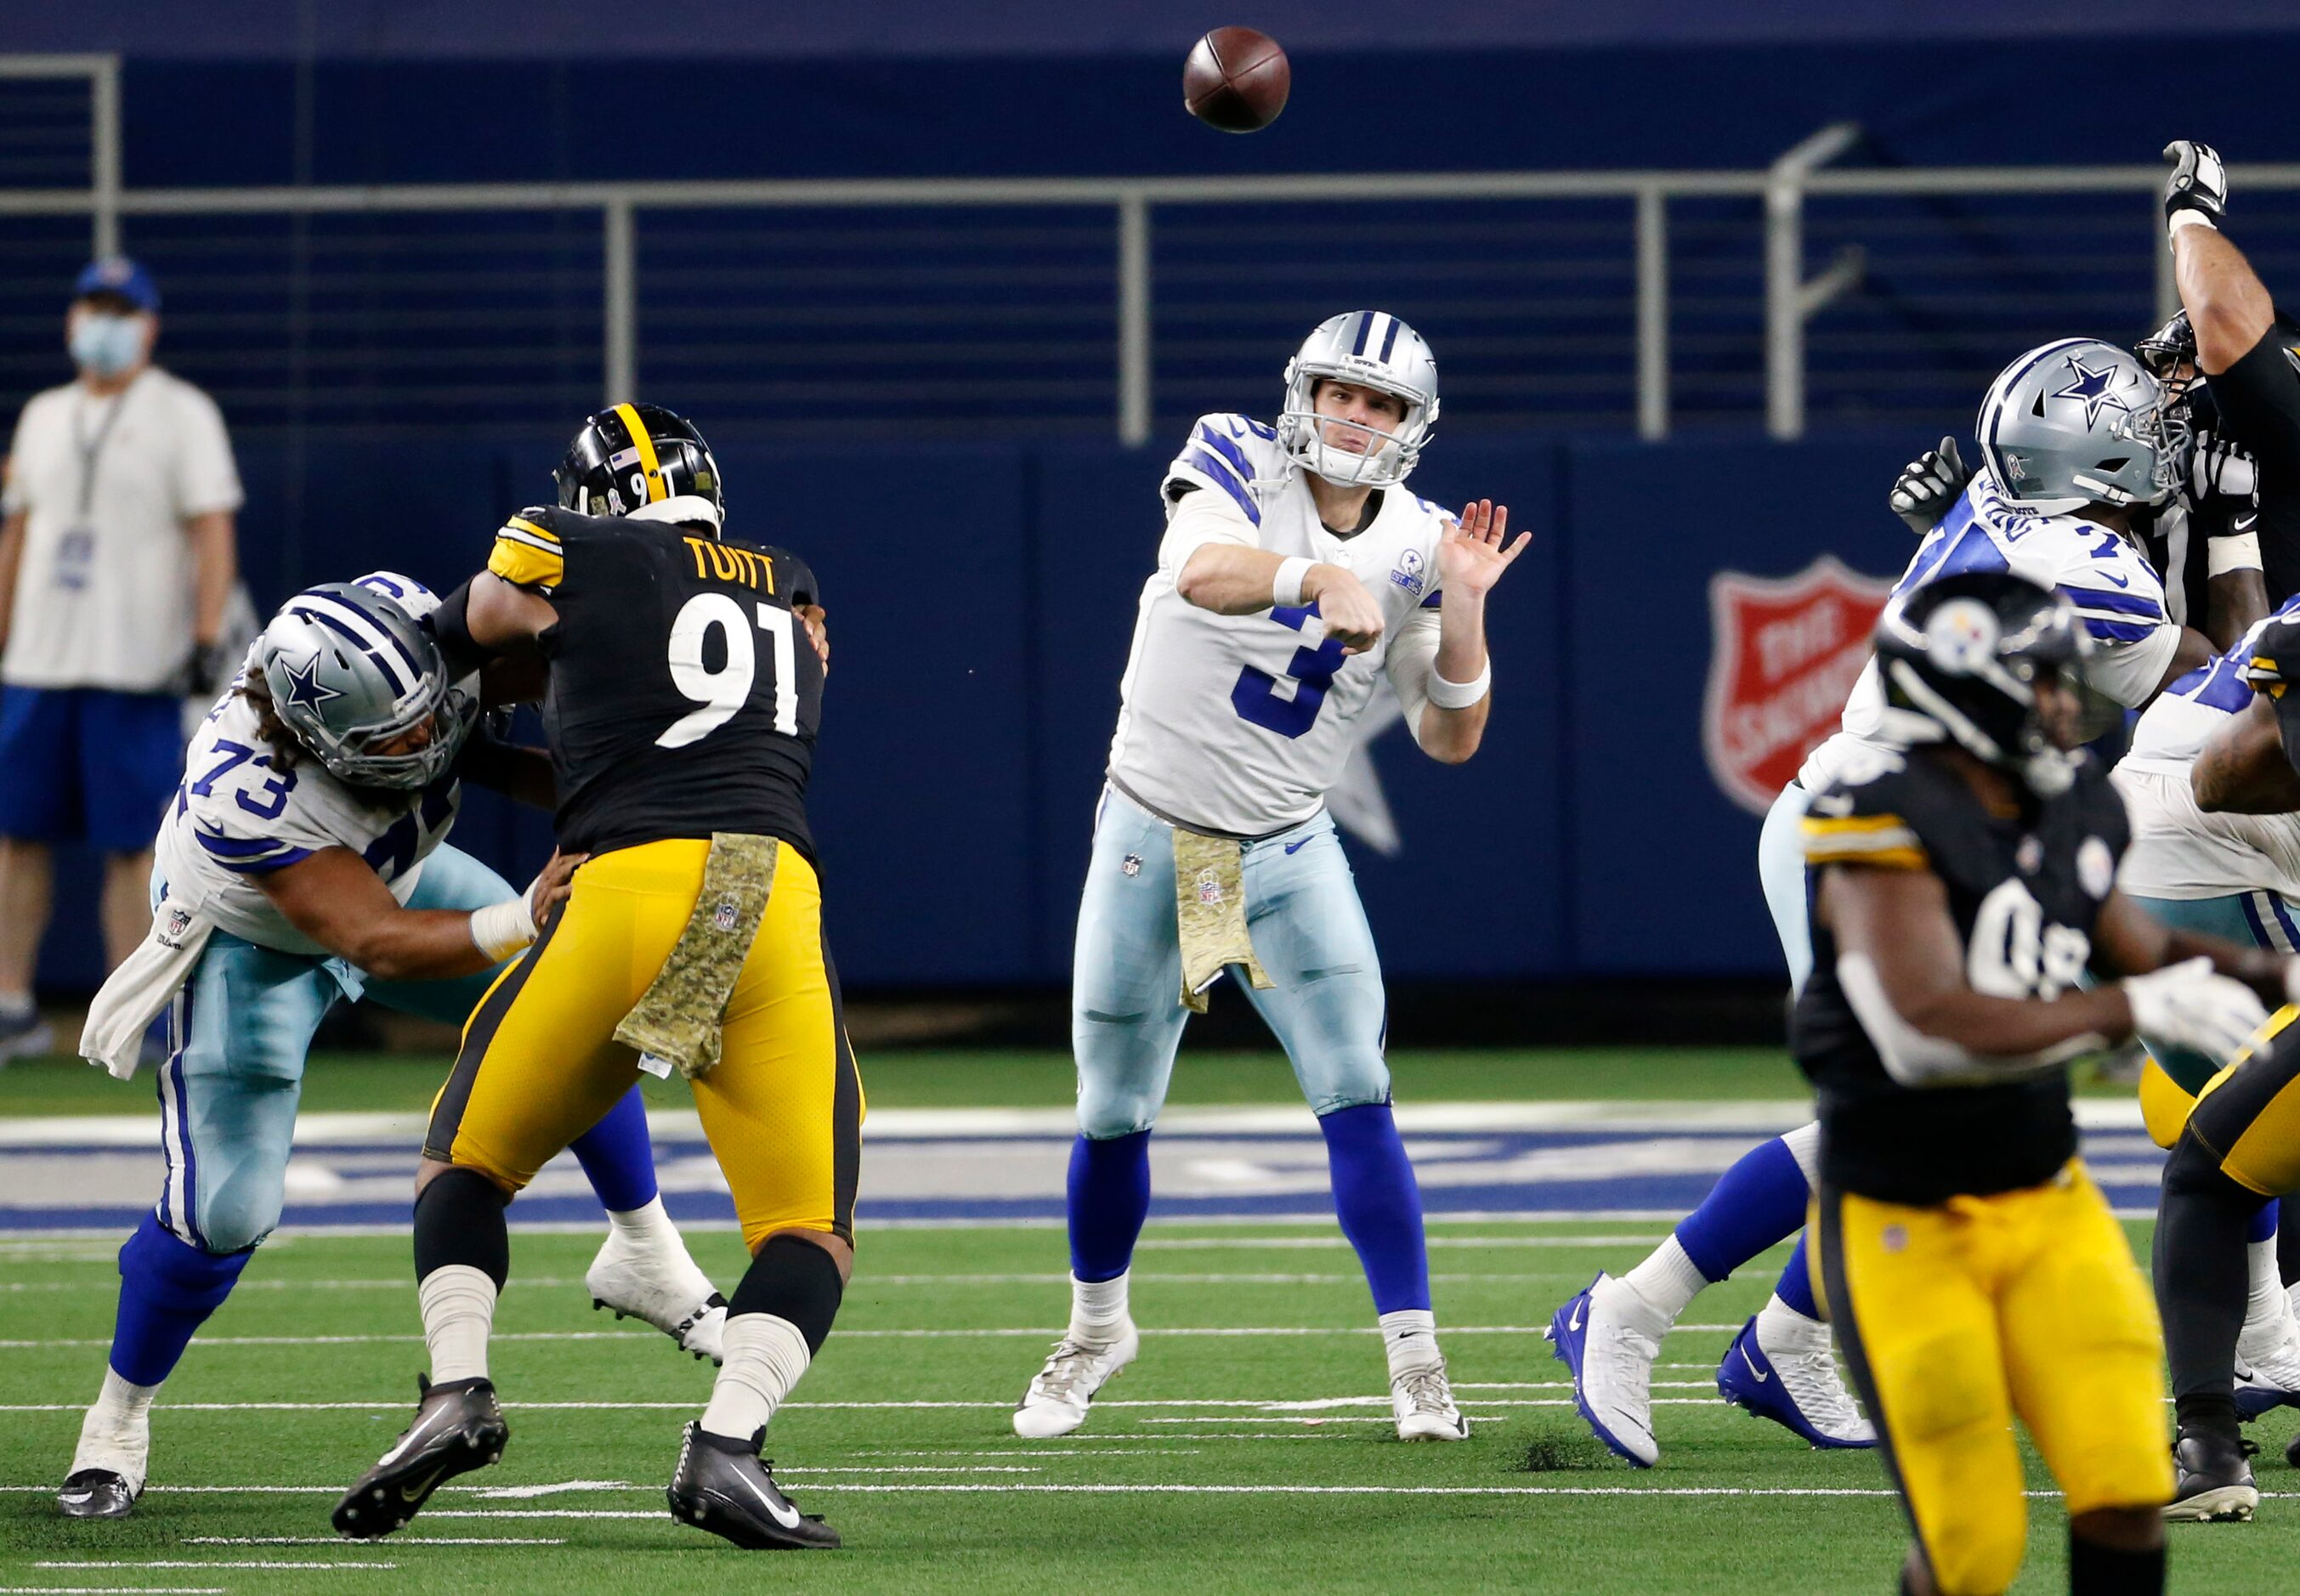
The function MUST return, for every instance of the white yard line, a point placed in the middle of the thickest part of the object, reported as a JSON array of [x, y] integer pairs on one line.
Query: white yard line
[[392, 1404], [398, 1541], [113, 1589], [243, 1563]]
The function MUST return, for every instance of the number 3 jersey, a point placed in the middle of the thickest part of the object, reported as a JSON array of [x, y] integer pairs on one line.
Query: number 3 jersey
[[1239, 724], [238, 815], [2024, 892], [684, 694]]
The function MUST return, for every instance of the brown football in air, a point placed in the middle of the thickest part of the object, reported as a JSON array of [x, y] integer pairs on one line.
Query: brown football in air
[[1236, 80]]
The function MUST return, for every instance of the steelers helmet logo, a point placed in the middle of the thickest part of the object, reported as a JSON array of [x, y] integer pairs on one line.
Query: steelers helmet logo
[[1960, 637]]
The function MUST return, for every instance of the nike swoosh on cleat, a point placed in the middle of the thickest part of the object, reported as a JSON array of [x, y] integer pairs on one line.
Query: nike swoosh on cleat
[[1574, 1323], [1762, 1375], [787, 1516]]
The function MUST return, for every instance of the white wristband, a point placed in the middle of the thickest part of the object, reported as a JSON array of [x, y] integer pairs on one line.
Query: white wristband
[[1286, 587], [2188, 219], [2240, 551], [501, 929], [1460, 695]]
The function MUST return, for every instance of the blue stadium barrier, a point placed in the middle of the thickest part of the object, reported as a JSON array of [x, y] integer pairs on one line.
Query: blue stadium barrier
[[982, 600]]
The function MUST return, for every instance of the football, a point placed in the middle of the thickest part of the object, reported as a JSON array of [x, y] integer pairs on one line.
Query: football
[[1236, 80]]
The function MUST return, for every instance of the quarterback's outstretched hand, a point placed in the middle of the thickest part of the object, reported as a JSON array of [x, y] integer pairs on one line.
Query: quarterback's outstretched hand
[[2198, 182], [1928, 487], [1471, 555]]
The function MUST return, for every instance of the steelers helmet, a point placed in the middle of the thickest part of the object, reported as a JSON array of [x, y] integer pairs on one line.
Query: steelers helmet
[[1962, 658], [641, 460]]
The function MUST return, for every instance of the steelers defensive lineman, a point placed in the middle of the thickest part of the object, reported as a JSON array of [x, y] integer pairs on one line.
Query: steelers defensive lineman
[[1963, 882], [681, 711]]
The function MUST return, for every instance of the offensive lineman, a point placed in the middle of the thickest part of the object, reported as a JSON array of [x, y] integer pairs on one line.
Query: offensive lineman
[[1294, 568], [2044, 505], [303, 860], [1964, 869], [682, 713]]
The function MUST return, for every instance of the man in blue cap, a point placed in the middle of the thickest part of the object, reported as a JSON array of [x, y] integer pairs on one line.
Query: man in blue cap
[[116, 560]]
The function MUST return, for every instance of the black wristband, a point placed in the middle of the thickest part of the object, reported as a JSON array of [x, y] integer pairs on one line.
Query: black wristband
[[451, 625]]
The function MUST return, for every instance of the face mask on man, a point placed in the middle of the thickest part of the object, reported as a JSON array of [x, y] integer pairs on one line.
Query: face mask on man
[[107, 344]]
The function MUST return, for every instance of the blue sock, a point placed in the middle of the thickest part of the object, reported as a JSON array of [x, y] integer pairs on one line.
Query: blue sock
[[1109, 1199], [2263, 1223], [168, 1288], [618, 1156], [1758, 1204], [1380, 1204], [1795, 1286]]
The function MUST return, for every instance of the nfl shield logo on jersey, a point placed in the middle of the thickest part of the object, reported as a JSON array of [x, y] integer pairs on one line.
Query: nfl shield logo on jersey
[[1785, 655]]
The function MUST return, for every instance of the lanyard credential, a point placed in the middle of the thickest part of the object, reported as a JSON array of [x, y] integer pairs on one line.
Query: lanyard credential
[[92, 448]]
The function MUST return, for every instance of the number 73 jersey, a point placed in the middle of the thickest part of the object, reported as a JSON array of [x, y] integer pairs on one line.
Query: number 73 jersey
[[683, 694], [1240, 724]]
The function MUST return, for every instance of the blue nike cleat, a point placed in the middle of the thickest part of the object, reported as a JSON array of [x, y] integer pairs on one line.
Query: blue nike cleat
[[1609, 1336], [1794, 1384]]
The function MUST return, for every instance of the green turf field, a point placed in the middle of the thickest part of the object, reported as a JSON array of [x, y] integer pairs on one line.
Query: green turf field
[[1248, 1450]]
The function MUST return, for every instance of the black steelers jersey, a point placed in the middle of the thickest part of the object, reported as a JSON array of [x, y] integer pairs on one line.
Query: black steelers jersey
[[684, 696], [2025, 891], [2258, 401]]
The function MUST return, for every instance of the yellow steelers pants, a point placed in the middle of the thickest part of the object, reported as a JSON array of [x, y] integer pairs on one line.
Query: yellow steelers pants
[[2165, 1104], [1953, 1319], [2249, 1114], [783, 1109]]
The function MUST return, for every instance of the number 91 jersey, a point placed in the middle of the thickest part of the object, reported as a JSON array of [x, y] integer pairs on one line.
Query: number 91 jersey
[[1240, 724], [684, 694], [2024, 892]]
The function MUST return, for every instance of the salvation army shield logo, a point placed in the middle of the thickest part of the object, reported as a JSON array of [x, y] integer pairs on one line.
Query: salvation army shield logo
[[1784, 656]]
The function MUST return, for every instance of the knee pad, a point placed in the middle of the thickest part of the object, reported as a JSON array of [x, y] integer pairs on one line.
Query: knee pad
[[1351, 1080], [795, 1281], [1117, 1093], [459, 1220], [176, 1274], [2194, 1170], [239, 1213], [1981, 1555]]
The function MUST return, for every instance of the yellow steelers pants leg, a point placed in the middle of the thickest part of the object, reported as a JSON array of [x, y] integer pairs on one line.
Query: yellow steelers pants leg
[[2249, 1114], [1955, 1319], [783, 1109]]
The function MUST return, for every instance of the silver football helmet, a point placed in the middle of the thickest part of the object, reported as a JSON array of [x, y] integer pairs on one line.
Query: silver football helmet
[[2079, 421], [349, 669], [1375, 349]]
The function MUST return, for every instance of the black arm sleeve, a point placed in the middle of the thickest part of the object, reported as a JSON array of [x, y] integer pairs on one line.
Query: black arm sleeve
[[2258, 403], [451, 624]]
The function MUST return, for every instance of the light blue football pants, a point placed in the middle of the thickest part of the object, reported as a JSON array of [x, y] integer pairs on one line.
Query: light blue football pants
[[237, 1037], [1309, 931]]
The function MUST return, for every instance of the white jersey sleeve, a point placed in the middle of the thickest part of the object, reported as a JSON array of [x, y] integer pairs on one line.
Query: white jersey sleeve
[[1412, 661], [1239, 724]]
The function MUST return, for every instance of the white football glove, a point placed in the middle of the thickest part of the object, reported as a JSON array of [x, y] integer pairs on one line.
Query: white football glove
[[1928, 487], [2198, 182], [2188, 1006]]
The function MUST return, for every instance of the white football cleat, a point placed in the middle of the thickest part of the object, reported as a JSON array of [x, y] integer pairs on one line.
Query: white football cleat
[[1609, 1337], [2271, 1379], [1055, 1403], [662, 1287], [1423, 1403], [108, 1468], [1780, 1367]]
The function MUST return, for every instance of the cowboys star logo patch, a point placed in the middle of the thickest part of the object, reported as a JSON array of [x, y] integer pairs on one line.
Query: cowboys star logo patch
[[2091, 387], [1784, 656]]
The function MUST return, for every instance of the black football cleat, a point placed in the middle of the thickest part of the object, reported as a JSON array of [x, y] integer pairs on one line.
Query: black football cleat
[[96, 1493], [723, 1486], [2215, 1482], [458, 1427]]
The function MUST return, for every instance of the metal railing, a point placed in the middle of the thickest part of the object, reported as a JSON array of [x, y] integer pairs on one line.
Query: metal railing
[[1786, 193]]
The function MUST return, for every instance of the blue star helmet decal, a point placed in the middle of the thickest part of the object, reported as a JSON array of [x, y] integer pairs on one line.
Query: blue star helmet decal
[[2091, 386], [305, 686]]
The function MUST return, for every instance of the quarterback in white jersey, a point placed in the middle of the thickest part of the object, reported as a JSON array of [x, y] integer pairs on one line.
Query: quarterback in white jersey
[[301, 863], [1295, 568]]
